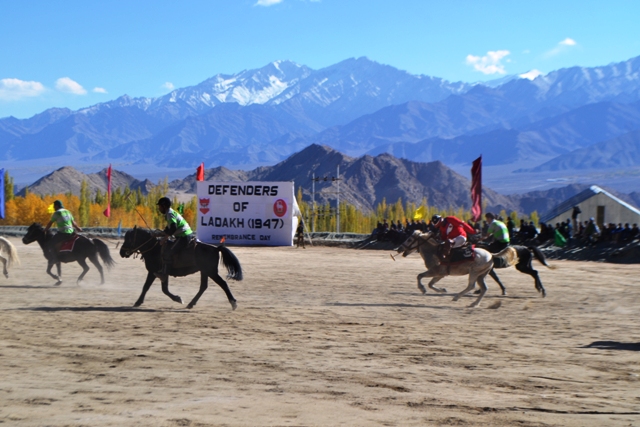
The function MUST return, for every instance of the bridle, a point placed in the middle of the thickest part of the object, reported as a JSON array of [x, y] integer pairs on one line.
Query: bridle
[[138, 250], [419, 242]]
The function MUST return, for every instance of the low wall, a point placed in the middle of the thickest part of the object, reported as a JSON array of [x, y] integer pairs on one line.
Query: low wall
[[21, 230]]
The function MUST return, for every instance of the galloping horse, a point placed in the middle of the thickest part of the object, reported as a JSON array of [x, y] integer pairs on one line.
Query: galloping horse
[[8, 255], [526, 255], [477, 269], [83, 248], [203, 258]]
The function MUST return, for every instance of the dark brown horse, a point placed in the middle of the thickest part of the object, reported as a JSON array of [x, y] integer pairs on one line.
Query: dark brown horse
[[83, 248], [200, 257]]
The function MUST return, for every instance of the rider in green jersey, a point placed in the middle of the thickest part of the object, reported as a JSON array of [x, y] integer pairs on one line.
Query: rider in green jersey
[[66, 227], [177, 227], [498, 231]]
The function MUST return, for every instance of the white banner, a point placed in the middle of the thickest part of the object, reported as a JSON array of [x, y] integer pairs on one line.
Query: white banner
[[247, 213]]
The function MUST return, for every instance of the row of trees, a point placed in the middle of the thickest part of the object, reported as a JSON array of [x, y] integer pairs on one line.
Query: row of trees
[[353, 220], [129, 208]]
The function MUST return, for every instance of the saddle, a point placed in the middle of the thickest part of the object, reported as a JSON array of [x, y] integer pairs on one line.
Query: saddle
[[449, 255], [185, 257], [68, 245]]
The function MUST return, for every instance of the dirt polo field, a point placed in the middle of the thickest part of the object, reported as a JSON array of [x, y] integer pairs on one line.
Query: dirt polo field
[[321, 337]]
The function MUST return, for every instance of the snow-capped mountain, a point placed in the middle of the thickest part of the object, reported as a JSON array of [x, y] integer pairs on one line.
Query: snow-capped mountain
[[263, 115]]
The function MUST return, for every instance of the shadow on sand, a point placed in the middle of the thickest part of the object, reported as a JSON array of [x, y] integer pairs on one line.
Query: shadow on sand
[[98, 309], [399, 305], [614, 345]]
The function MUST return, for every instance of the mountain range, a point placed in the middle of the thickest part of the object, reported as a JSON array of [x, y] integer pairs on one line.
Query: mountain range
[[364, 181], [570, 119]]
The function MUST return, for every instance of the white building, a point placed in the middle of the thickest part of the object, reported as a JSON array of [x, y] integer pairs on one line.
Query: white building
[[597, 203]]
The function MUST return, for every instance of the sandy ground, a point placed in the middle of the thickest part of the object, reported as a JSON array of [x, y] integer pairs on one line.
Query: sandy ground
[[321, 337]]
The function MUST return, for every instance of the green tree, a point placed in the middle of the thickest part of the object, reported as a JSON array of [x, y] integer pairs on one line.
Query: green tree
[[99, 198], [8, 187], [85, 204]]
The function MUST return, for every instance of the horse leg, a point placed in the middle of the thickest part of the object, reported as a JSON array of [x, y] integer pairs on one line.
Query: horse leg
[[483, 289], [85, 268], [469, 288], [420, 285], [495, 277], [203, 287], [4, 264], [94, 260], [431, 283], [225, 287], [147, 284], [165, 290], [528, 269], [58, 278]]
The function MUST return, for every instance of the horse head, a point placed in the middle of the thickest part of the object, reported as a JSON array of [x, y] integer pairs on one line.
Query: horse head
[[128, 246], [414, 242], [34, 232], [135, 240]]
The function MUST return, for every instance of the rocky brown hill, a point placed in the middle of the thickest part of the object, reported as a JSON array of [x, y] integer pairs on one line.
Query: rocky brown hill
[[364, 182], [68, 179]]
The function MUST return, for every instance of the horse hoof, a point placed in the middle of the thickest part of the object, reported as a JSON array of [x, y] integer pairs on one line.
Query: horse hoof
[[234, 305], [6, 275], [138, 304], [456, 298], [58, 283], [179, 300], [190, 306]]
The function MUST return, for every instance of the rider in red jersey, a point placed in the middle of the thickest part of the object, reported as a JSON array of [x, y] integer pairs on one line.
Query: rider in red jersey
[[452, 229]]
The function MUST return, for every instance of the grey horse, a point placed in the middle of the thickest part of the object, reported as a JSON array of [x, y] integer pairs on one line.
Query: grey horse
[[8, 255], [477, 268]]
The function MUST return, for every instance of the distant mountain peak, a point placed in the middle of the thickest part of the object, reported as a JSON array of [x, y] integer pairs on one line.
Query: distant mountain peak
[[531, 75]]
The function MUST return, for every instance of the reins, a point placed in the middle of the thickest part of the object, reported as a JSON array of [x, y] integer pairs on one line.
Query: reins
[[420, 243], [138, 250]]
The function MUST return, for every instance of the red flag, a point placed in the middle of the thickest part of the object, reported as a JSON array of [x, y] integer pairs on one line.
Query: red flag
[[107, 211], [476, 189], [200, 172]]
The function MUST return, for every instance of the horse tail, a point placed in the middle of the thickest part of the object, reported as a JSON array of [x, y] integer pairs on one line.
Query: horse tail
[[540, 256], [230, 261], [103, 251], [11, 251], [508, 257]]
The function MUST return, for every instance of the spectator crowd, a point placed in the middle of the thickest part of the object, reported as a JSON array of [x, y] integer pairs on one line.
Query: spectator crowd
[[567, 232]]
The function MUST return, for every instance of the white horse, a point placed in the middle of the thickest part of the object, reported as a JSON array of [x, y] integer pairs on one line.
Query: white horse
[[477, 268], [8, 255]]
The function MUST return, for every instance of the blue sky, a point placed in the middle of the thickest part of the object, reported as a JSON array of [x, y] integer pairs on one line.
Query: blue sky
[[78, 53]]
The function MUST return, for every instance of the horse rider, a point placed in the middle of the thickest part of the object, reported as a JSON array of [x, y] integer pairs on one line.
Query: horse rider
[[498, 231], [452, 230], [177, 227], [66, 227]]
